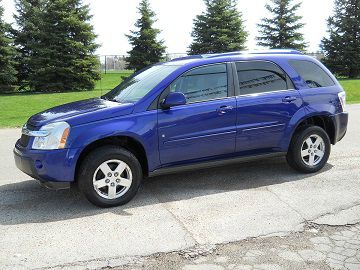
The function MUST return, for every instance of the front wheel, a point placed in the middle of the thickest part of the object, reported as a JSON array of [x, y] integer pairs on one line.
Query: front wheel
[[110, 176], [309, 150]]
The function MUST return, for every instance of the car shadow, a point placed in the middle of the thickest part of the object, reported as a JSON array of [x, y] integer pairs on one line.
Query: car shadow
[[28, 202]]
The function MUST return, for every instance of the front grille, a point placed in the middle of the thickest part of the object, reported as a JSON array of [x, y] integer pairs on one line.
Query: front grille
[[24, 140]]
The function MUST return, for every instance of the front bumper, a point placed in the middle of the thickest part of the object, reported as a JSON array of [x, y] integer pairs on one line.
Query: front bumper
[[53, 168], [340, 121]]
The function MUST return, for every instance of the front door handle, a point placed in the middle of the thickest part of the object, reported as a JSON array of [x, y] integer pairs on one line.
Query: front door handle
[[224, 109], [289, 99]]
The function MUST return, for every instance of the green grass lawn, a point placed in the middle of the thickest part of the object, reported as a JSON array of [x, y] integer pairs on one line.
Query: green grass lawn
[[17, 108], [352, 89], [110, 80]]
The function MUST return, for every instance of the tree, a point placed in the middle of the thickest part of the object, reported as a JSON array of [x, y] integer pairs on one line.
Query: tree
[[219, 29], [342, 46], [282, 29], [146, 48], [26, 36], [59, 56], [7, 56]]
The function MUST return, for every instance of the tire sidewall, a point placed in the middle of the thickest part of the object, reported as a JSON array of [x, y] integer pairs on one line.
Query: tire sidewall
[[297, 145], [94, 160]]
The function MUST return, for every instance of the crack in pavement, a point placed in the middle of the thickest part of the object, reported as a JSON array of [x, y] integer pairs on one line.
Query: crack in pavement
[[335, 212], [158, 195], [325, 248], [323, 234], [286, 203]]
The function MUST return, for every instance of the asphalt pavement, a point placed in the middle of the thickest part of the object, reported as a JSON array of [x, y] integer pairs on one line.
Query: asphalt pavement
[[42, 228]]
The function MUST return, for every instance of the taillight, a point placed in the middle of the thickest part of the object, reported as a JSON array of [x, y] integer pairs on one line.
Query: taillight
[[342, 98]]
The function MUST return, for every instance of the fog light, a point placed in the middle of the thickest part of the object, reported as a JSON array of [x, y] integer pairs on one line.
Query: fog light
[[38, 164]]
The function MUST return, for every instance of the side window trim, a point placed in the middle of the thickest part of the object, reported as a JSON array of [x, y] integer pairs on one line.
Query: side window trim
[[289, 84], [230, 78], [230, 86], [235, 79]]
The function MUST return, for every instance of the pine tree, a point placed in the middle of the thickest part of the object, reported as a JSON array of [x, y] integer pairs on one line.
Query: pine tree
[[342, 46], [219, 29], [283, 28], [60, 54], [146, 48], [26, 36], [7, 55]]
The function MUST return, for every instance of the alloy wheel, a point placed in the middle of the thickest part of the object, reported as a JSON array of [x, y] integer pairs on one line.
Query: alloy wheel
[[312, 150], [112, 179]]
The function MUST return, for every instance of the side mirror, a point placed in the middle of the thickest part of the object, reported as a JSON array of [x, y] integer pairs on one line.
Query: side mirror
[[173, 99]]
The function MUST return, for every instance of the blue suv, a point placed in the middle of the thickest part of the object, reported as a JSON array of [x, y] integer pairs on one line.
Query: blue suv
[[189, 113]]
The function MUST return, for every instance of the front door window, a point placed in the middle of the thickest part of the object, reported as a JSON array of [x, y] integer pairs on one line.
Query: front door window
[[204, 83]]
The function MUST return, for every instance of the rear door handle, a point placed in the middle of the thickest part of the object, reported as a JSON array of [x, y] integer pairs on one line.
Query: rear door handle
[[224, 109], [289, 99]]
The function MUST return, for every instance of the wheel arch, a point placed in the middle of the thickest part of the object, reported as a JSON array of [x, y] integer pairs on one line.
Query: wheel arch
[[325, 121], [127, 142]]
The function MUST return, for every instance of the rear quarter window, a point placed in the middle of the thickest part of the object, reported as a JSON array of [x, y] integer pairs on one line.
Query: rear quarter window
[[313, 75]]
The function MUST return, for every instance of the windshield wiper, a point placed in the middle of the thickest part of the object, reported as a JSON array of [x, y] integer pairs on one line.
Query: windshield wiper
[[106, 98], [109, 99]]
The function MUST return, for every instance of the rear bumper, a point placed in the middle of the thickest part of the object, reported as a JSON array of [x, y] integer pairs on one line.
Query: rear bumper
[[53, 168], [340, 121]]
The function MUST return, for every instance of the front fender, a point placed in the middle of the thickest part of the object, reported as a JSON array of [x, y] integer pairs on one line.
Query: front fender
[[140, 127]]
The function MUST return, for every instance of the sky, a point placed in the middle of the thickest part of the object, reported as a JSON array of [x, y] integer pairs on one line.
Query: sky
[[112, 19]]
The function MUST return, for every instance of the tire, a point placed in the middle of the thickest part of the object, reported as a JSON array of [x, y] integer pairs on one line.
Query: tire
[[110, 176], [303, 156]]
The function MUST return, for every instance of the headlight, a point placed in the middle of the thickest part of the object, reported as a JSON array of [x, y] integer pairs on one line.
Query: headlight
[[51, 136]]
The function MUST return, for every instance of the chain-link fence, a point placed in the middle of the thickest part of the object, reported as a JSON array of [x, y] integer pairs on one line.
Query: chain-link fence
[[112, 63], [117, 63]]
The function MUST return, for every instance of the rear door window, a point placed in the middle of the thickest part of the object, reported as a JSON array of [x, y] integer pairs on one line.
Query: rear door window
[[313, 75], [260, 77]]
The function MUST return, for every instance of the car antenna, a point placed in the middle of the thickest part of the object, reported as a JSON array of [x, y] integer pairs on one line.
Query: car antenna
[[101, 90]]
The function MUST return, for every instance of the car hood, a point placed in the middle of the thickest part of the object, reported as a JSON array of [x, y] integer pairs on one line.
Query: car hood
[[81, 112]]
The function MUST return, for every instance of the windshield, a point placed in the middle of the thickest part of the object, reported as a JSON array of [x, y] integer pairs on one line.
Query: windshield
[[138, 85]]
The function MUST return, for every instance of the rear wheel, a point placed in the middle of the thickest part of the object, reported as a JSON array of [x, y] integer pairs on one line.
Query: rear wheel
[[110, 176], [309, 150]]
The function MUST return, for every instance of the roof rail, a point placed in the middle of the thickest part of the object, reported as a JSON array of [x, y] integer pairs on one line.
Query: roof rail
[[213, 55], [271, 51], [197, 56]]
